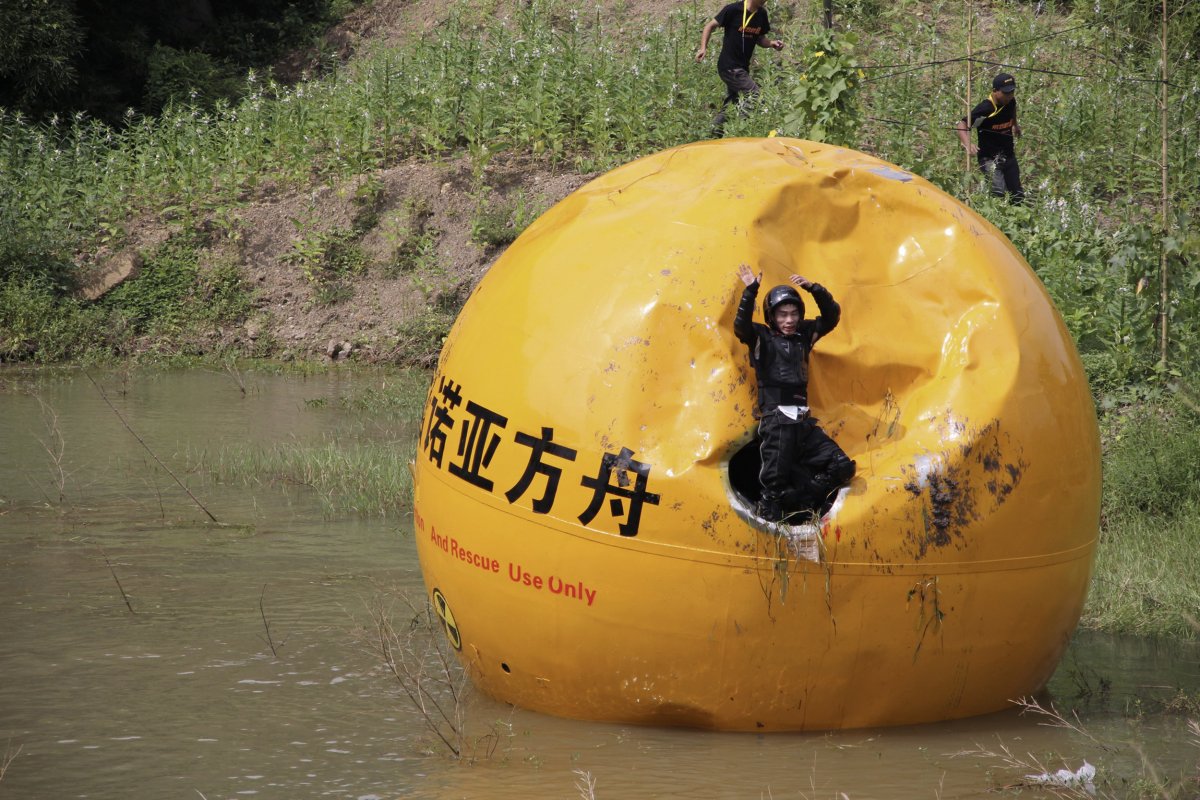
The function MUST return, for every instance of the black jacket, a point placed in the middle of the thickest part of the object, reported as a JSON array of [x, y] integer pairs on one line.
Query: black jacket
[[781, 362]]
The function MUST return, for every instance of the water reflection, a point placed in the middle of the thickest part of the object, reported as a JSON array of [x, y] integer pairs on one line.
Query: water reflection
[[184, 697]]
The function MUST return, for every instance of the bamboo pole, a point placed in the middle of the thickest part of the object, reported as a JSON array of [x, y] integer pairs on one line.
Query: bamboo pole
[[970, 22], [1164, 204]]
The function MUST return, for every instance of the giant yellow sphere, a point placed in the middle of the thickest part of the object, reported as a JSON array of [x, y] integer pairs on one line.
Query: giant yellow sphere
[[585, 472]]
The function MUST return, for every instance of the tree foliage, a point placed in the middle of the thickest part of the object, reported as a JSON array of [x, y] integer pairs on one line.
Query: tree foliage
[[39, 49], [68, 56]]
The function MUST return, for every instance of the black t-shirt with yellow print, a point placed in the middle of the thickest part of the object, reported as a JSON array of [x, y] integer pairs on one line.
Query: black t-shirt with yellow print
[[995, 124], [742, 30]]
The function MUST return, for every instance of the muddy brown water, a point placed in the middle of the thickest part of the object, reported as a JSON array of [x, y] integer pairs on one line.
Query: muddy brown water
[[184, 697]]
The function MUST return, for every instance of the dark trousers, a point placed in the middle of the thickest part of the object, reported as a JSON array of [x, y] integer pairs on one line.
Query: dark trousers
[[801, 465], [738, 83], [1005, 176]]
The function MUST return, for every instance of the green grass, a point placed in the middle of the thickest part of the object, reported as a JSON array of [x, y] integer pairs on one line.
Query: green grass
[[364, 472], [367, 478], [1147, 576]]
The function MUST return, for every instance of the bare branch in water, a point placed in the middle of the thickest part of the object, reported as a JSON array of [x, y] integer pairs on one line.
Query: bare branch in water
[[55, 447], [236, 374], [417, 656]]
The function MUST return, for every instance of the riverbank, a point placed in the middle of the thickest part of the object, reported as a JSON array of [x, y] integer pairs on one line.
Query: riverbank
[[350, 214]]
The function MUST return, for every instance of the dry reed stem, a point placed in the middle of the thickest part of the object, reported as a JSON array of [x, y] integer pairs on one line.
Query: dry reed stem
[[120, 588], [148, 450], [266, 625], [586, 785], [9, 757], [1057, 720]]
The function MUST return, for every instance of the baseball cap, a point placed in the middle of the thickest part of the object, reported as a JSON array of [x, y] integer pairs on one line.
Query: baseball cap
[[1004, 82]]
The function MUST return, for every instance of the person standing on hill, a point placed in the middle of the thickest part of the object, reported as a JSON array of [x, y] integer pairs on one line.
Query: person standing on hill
[[995, 119], [746, 26]]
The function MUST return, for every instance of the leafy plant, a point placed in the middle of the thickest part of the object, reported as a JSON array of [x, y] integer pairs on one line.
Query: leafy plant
[[368, 202], [823, 101], [499, 221], [224, 294], [162, 295], [174, 74], [1152, 463], [328, 259], [414, 241], [419, 339]]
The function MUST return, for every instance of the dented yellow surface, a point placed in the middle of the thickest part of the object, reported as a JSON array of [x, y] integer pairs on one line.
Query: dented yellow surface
[[577, 523]]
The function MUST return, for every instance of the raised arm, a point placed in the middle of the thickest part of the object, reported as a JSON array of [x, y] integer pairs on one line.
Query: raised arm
[[743, 322], [830, 312]]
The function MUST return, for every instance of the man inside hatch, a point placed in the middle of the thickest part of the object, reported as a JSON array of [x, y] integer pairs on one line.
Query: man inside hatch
[[801, 465]]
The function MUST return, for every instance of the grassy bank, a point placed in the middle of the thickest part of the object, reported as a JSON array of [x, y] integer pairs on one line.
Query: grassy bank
[[564, 86], [1148, 561]]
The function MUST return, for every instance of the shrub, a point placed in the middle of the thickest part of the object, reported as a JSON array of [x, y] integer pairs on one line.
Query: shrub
[[183, 75]]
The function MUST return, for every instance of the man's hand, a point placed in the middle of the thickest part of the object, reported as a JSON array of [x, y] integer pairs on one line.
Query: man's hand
[[747, 276], [701, 53], [972, 149], [801, 281], [775, 44]]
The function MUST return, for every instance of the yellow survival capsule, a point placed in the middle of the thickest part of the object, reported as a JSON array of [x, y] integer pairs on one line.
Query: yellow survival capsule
[[585, 469]]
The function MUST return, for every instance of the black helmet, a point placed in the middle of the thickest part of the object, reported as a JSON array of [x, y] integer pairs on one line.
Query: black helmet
[[777, 297]]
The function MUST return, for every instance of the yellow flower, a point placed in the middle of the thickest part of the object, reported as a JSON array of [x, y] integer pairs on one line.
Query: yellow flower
[[818, 54]]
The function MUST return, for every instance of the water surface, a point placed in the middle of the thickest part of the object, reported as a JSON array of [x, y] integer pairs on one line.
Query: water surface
[[245, 668]]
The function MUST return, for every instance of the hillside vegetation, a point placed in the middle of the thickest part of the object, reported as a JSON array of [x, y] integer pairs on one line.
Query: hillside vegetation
[[351, 214]]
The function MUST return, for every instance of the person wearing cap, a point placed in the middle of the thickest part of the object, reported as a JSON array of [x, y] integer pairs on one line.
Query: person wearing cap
[[746, 26], [801, 465], [995, 120]]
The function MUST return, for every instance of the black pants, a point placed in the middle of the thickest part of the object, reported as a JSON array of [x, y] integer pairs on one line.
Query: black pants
[[738, 83], [801, 465], [1005, 176]]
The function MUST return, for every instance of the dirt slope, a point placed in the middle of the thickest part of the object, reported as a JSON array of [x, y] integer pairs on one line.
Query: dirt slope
[[370, 313], [377, 304]]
